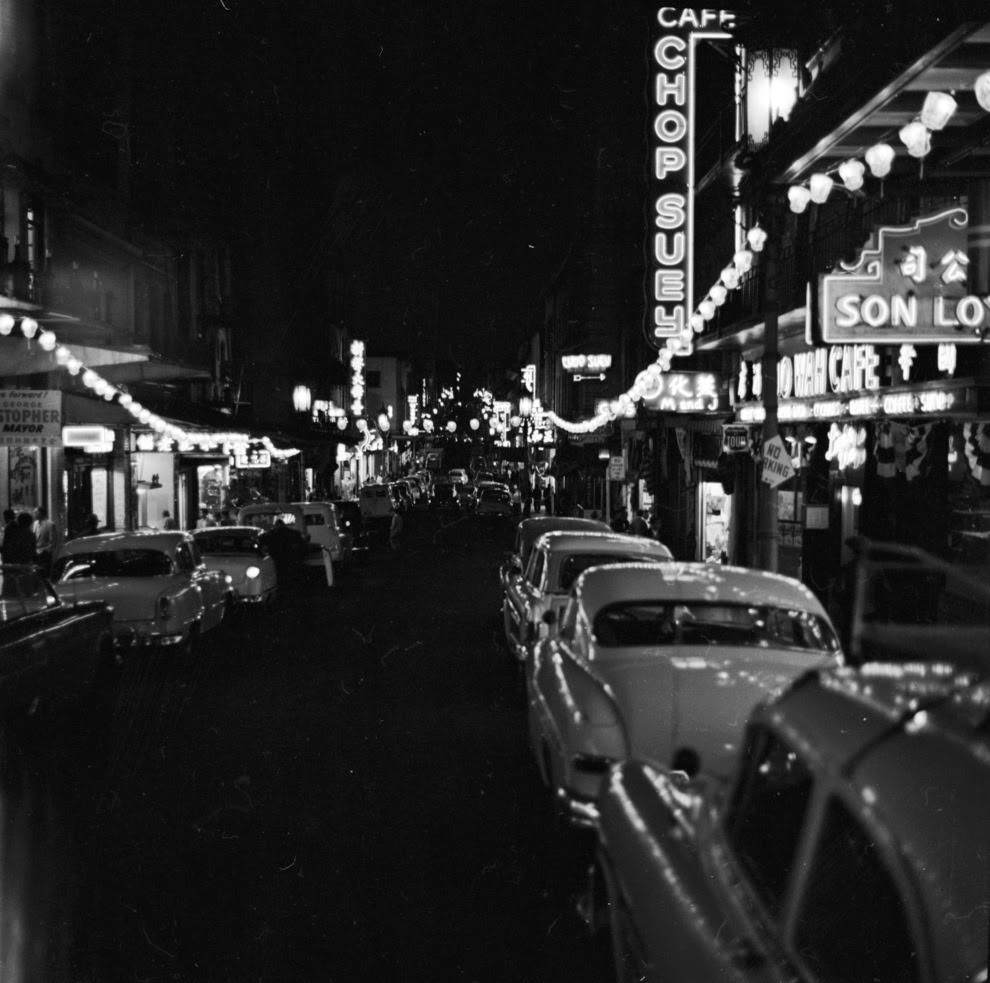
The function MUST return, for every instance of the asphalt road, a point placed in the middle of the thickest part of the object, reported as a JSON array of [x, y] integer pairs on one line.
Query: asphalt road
[[338, 790]]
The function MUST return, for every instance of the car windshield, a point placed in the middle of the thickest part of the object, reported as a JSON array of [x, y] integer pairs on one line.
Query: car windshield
[[705, 624], [495, 495], [266, 520], [228, 542], [113, 563]]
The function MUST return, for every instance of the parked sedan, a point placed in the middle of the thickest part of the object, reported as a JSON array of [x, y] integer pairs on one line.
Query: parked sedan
[[557, 559], [240, 553], [851, 845], [494, 500], [529, 531], [157, 583], [53, 657], [664, 662]]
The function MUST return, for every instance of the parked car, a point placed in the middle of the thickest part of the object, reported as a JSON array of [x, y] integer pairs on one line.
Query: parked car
[[57, 669], [529, 531], [459, 476], [555, 562], [444, 498], [376, 502], [325, 533], [352, 523], [288, 544], [401, 495], [240, 552], [494, 501], [161, 591], [851, 844], [664, 662]]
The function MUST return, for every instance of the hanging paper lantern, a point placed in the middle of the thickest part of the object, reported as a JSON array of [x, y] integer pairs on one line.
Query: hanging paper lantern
[[851, 172], [62, 355], [757, 239], [821, 185], [718, 293], [743, 259], [706, 309], [47, 340], [730, 277], [880, 157], [29, 326], [981, 89], [6, 324], [798, 196], [89, 379], [916, 138], [937, 110], [697, 322]]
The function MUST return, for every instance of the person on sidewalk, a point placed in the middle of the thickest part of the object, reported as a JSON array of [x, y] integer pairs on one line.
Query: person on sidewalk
[[45, 535], [395, 532]]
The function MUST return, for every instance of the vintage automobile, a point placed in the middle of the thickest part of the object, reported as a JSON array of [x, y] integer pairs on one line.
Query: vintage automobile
[[664, 662], [529, 531], [555, 562], [494, 500], [324, 530], [57, 675], [159, 587], [240, 553], [352, 526], [851, 845]]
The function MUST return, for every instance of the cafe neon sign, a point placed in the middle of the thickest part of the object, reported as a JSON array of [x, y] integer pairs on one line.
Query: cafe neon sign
[[672, 182]]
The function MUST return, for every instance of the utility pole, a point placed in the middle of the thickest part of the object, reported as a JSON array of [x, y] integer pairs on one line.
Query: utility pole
[[766, 518]]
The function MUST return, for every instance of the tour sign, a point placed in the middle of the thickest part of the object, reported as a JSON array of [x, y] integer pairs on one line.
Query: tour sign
[[672, 181], [911, 288], [777, 466]]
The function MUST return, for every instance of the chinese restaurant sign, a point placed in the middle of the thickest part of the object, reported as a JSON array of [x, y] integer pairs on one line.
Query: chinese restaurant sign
[[30, 417], [671, 232], [687, 392], [910, 289]]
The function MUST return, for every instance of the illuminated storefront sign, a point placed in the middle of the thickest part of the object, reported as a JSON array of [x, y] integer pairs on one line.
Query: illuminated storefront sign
[[911, 289], [529, 378], [672, 182], [586, 363], [687, 392], [919, 402], [251, 457], [836, 369], [88, 437], [357, 378]]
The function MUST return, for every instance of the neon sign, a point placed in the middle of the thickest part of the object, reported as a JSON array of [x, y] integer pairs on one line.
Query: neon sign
[[672, 183], [686, 392], [586, 363], [911, 289], [357, 378]]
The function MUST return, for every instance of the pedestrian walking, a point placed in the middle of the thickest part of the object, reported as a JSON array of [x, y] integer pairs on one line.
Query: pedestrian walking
[[205, 520], [225, 518], [168, 520], [639, 526], [395, 531], [9, 527], [92, 525], [19, 544], [45, 535]]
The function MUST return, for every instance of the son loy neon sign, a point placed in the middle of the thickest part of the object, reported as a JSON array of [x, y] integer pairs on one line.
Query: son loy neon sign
[[672, 181]]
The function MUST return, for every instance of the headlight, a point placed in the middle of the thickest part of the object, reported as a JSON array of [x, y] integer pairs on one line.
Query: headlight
[[252, 572]]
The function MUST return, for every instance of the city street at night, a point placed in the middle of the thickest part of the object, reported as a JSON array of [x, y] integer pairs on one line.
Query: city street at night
[[340, 789]]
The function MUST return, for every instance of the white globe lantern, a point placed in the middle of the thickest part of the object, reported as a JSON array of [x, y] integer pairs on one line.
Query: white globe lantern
[[981, 89], [880, 158], [937, 110], [798, 196], [916, 137], [757, 239], [820, 186], [851, 172]]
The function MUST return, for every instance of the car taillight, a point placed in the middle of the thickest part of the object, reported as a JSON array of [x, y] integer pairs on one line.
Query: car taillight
[[164, 606], [252, 572]]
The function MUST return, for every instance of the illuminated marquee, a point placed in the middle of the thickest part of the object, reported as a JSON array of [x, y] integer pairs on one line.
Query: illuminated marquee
[[586, 363], [911, 289], [357, 378], [686, 392], [673, 180]]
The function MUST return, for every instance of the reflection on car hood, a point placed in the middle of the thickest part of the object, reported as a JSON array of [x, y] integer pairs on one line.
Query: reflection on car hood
[[697, 697]]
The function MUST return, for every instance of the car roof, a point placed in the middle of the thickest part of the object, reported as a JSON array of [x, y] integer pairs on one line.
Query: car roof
[[582, 540], [682, 582], [224, 530], [532, 528], [106, 542], [910, 744]]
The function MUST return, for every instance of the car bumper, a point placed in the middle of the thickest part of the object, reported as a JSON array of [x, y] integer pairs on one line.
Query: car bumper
[[581, 812], [126, 639]]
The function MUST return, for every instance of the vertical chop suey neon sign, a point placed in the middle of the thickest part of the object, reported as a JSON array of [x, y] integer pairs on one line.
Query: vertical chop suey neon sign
[[673, 162]]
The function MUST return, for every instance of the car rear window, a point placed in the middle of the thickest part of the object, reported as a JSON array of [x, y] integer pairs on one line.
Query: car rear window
[[228, 543], [706, 623], [113, 563], [574, 565]]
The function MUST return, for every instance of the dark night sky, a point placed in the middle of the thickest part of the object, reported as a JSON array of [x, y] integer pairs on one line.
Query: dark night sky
[[446, 149]]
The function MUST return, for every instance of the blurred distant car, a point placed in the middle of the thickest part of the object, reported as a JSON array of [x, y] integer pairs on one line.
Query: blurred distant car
[[161, 591], [241, 554], [529, 531], [458, 476], [325, 533], [466, 495], [494, 500], [352, 526], [402, 495], [377, 502], [555, 562], [286, 534], [665, 662], [851, 844], [444, 498]]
